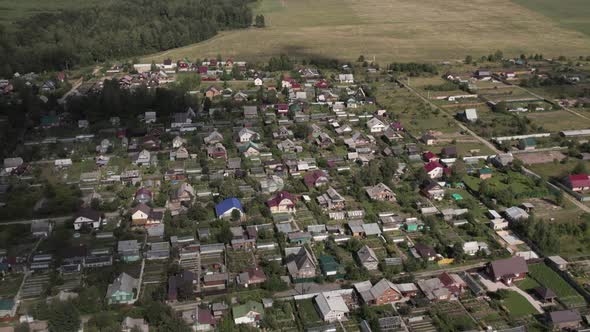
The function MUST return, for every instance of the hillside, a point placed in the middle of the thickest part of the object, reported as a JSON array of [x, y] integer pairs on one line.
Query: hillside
[[403, 30]]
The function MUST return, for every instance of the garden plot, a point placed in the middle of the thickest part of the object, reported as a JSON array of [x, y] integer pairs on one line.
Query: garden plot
[[35, 285], [70, 282], [532, 158], [240, 260], [155, 272], [566, 294], [307, 313], [10, 284], [483, 313]]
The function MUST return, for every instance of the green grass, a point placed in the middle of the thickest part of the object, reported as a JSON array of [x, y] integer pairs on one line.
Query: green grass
[[570, 14], [518, 306], [550, 279], [392, 30], [307, 312], [527, 284]]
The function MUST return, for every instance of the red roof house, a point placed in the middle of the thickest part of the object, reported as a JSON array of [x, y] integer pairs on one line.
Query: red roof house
[[578, 182], [282, 202]]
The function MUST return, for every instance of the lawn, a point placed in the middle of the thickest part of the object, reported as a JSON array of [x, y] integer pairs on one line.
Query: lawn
[[527, 284], [393, 30], [517, 305], [550, 279], [307, 312], [555, 121]]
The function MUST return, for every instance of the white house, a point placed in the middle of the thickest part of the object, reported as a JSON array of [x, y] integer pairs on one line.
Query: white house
[[143, 159], [178, 142], [87, 217], [345, 78], [246, 135], [258, 81], [150, 117], [63, 162], [376, 126], [331, 307]]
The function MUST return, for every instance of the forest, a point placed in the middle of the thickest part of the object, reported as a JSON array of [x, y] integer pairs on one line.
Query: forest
[[126, 28]]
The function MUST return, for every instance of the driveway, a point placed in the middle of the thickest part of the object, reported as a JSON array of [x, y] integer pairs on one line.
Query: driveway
[[494, 286]]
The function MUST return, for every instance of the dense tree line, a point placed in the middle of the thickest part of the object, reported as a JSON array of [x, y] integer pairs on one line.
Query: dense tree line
[[120, 29], [414, 69]]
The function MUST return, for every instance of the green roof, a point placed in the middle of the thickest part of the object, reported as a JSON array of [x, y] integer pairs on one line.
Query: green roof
[[485, 171], [457, 197], [529, 141], [49, 119], [328, 263], [242, 310], [6, 304], [245, 147]]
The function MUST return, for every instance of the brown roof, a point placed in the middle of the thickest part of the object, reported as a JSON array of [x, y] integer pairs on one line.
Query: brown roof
[[509, 266]]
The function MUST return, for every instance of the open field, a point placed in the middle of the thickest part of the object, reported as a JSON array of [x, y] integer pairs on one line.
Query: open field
[[571, 14], [392, 30], [555, 121]]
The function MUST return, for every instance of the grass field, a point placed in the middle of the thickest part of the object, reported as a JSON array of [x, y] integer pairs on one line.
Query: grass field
[[571, 14], [550, 279], [403, 30], [518, 306]]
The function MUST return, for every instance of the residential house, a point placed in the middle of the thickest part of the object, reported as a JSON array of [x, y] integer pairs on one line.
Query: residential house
[[471, 248], [301, 265], [224, 209], [149, 117], [449, 152], [485, 173], [315, 179], [247, 135], [217, 150], [250, 112], [578, 182], [143, 158], [177, 142], [282, 202], [143, 215], [508, 270], [383, 292], [331, 307], [329, 266], [433, 190], [367, 258], [502, 159], [428, 139], [380, 192], [128, 250], [271, 184], [251, 276], [288, 145], [331, 200], [122, 290], [425, 252], [87, 217], [470, 115], [213, 138], [143, 195], [41, 228], [250, 149], [515, 214], [558, 262], [376, 126], [200, 319], [346, 78], [565, 319], [250, 313], [134, 325], [10, 164], [434, 170], [444, 287]]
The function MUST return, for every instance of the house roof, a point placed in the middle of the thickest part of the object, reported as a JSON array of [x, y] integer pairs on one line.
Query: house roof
[[228, 204], [383, 285], [564, 316], [432, 166], [509, 266], [425, 251], [579, 180], [124, 283], [366, 254], [279, 197], [545, 293], [310, 178], [89, 213], [244, 309], [331, 303]]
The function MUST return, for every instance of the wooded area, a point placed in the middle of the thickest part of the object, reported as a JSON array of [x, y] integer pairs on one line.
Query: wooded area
[[122, 29]]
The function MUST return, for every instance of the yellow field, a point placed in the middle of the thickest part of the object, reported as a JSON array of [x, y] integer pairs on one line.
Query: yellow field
[[391, 30]]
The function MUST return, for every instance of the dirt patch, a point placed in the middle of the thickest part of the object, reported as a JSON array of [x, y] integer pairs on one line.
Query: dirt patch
[[540, 157]]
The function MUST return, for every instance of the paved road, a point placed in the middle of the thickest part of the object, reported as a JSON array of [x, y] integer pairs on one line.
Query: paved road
[[57, 220], [569, 197]]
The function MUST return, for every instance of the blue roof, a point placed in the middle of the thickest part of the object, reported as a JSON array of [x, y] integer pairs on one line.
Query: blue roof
[[228, 204]]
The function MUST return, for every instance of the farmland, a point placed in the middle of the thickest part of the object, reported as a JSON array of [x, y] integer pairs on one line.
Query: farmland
[[392, 30], [11, 11]]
